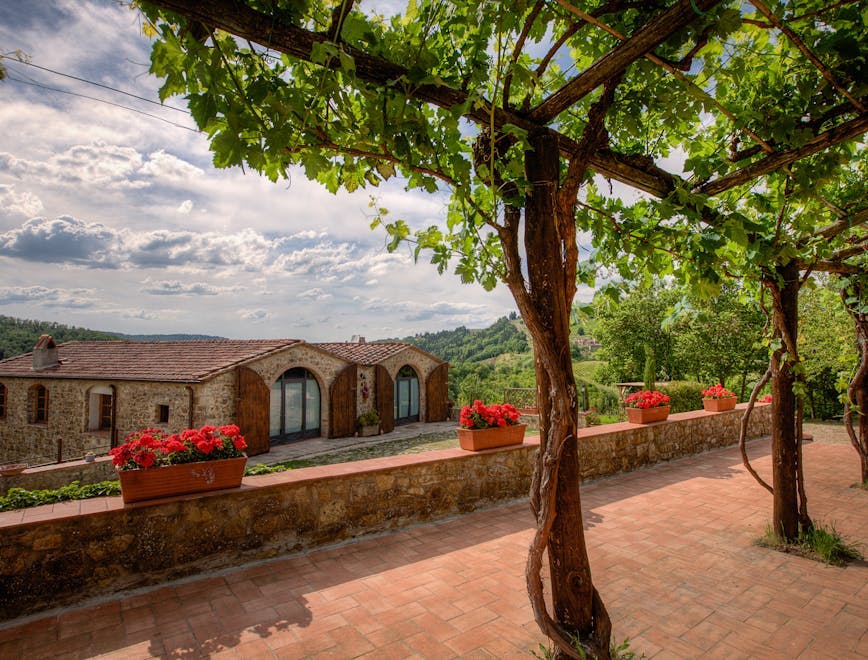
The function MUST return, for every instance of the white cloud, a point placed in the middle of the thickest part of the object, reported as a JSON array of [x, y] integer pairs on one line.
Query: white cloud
[[48, 296], [138, 314], [96, 164], [178, 288], [315, 294], [62, 240], [185, 207], [24, 204], [255, 315], [167, 167]]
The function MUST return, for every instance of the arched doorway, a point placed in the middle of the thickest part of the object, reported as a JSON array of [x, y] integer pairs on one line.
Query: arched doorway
[[406, 396], [295, 406]]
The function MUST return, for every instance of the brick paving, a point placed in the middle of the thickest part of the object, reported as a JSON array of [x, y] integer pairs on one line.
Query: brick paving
[[671, 550]]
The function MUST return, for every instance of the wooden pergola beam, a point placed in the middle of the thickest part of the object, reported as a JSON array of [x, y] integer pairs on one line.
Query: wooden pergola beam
[[841, 133], [635, 171], [616, 61], [249, 24]]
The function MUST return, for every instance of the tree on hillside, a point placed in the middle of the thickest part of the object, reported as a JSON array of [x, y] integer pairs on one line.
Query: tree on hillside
[[826, 341], [513, 107], [720, 339], [19, 336], [633, 324]]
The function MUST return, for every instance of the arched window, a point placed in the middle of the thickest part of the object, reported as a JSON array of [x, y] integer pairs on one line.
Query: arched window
[[2, 401], [295, 406], [406, 396], [38, 404]]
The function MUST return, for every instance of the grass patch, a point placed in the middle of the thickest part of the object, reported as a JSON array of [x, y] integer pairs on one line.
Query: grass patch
[[617, 651], [21, 498], [429, 442], [820, 544]]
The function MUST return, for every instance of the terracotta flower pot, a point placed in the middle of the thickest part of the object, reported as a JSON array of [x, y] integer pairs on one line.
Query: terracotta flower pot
[[719, 405], [500, 436], [647, 415], [170, 480]]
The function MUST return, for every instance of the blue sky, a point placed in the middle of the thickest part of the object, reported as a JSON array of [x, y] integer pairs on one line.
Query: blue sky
[[115, 220]]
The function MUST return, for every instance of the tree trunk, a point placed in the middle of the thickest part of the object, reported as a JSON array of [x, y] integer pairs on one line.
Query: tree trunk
[[545, 306], [784, 284]]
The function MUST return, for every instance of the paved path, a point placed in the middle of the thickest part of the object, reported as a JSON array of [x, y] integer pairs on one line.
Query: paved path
[[671, 550]]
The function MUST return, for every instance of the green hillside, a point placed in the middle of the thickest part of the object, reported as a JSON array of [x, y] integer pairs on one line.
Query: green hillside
[[463, 345], [18, 336]]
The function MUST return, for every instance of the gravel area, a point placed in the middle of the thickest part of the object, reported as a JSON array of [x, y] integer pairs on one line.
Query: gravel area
[[832, 432]]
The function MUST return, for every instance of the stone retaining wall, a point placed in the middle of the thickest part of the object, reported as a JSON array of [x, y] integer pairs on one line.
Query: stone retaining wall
[[51, 557]]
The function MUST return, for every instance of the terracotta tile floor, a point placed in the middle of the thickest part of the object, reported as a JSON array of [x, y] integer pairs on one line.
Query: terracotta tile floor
[[671, 550]]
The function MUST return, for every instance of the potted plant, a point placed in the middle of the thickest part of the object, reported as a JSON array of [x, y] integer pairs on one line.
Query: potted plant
[[647, 406], [368, 423], [89, 457], [717, 399], [152, 463], [486, 427]]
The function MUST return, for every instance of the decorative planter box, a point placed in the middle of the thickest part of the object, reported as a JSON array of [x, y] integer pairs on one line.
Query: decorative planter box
[[647, 415], [719, 405], [366, 431], [169, 480], [501, 436]]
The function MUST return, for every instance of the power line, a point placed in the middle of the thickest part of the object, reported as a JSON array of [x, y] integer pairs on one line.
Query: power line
[[91, 82], [93, 98]]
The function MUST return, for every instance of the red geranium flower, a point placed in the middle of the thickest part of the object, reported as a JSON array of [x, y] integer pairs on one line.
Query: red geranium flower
[[151, 448]]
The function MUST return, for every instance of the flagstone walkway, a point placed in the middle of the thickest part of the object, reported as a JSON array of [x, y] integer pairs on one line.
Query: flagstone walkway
[[671, 551]]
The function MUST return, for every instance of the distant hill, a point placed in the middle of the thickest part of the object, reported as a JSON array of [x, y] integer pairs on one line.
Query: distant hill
[[18, 336], [463, 345], [176, 337]]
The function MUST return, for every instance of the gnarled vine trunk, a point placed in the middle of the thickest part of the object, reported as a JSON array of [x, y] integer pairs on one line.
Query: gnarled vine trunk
[[857, 391], [790, 505], [545, 304]]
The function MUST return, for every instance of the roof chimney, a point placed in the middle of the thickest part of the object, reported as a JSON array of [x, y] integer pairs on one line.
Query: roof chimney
[[45, 353], [358, 339]]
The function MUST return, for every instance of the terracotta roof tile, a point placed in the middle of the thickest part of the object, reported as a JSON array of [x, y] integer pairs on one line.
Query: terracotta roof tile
[[165, 361], [368, 353]]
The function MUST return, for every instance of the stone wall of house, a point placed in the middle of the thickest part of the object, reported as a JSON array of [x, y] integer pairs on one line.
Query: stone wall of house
[[54, 559], [367, 376], [324, 366], [66, 434]]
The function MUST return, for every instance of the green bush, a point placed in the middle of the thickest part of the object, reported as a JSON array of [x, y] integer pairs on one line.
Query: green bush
[[369, 418], [822, 401], [21, 498], [603, 399], [684, 396], [605, 374]]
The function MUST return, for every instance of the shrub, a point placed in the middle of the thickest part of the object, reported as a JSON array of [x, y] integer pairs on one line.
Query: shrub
[[21, 498], [369, 418], [684, 396]]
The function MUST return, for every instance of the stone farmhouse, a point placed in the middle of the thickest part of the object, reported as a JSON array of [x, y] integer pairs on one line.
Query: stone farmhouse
[[60, 401]]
